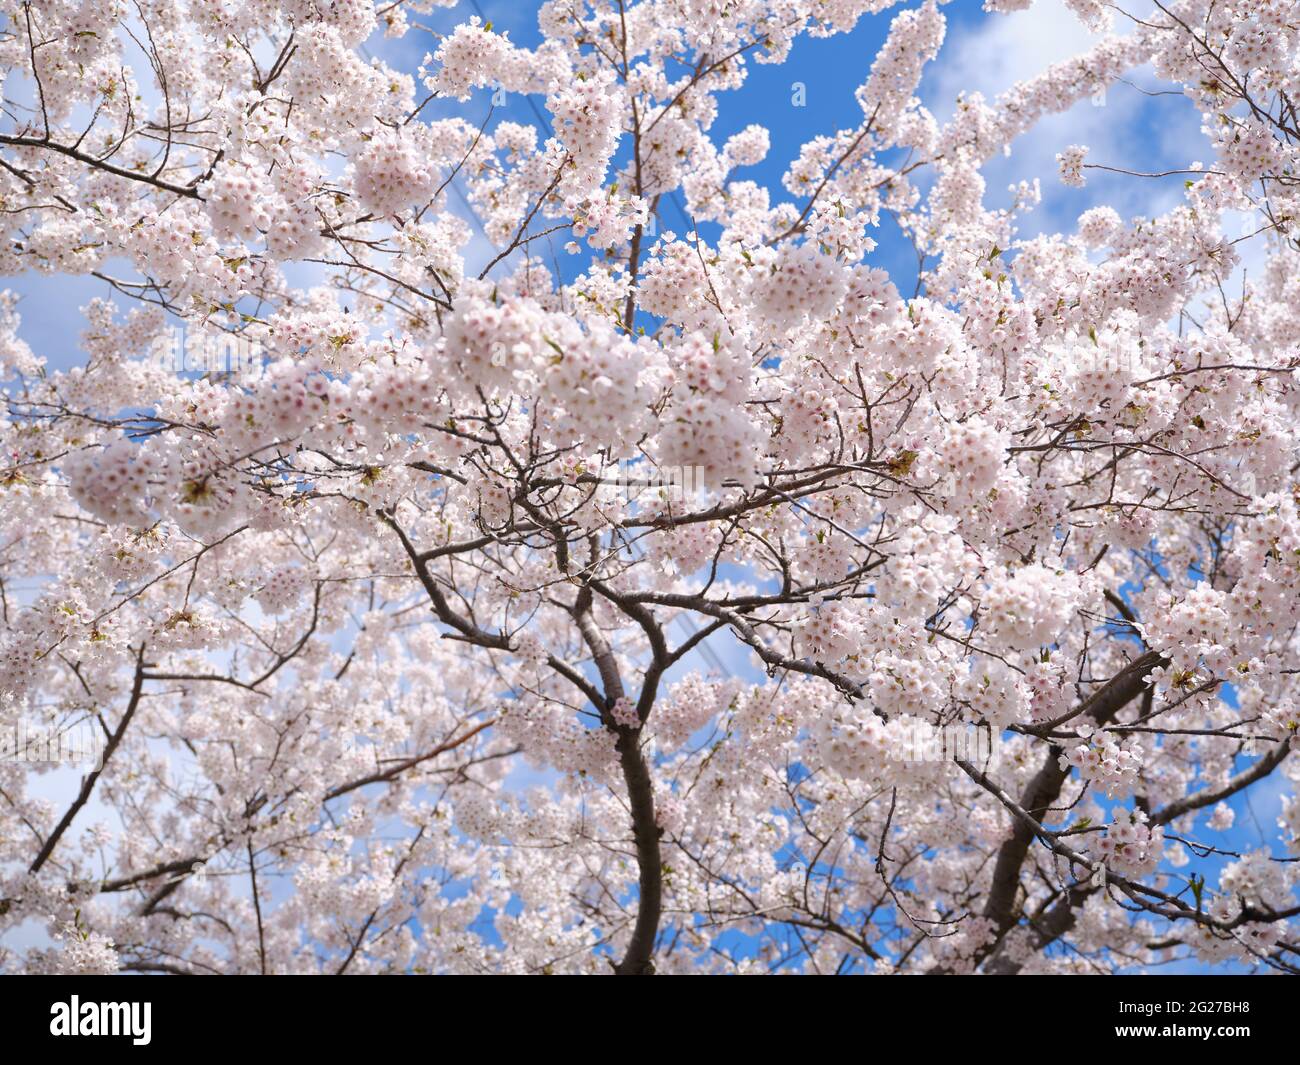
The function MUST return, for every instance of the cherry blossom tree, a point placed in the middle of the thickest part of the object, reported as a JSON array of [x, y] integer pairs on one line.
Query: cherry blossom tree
[[542, 617]]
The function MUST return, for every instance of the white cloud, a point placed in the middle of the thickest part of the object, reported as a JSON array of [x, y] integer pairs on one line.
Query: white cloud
[[993, 53], [1126, 128]]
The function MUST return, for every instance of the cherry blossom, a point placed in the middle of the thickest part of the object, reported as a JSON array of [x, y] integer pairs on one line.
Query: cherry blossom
[[514, 611]]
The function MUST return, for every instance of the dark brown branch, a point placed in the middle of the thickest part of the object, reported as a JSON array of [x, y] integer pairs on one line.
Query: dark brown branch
[[1045, 788], [88, 783]]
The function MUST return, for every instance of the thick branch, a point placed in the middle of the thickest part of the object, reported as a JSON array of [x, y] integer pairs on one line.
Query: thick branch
[[88, 783], [1045, 788]]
